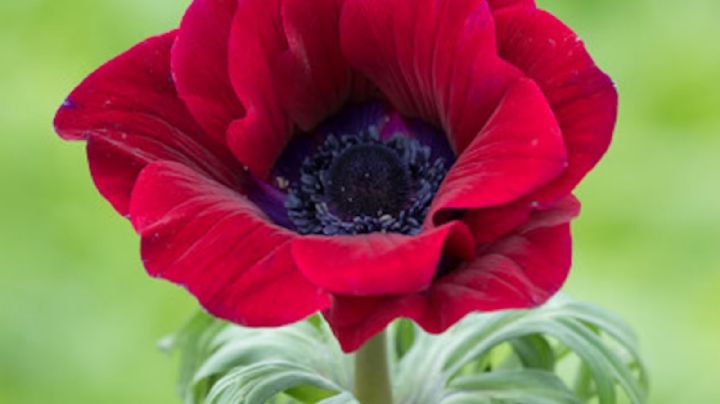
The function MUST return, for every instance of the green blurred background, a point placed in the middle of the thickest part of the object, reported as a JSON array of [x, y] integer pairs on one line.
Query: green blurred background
[[79, 318]]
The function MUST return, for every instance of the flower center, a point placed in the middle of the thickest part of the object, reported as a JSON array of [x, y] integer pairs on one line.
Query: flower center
[[359, 183], [367, 180]]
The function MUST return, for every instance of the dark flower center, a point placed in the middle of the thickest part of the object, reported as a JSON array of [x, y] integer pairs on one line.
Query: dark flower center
[[360, 183], [367, 180]]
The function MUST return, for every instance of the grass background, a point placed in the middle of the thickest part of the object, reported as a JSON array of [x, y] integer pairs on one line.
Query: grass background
[[79, 318]]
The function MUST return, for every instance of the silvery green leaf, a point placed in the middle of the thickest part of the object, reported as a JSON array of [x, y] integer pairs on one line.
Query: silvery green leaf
[[534, 351], [262, 381], [527, 386], [194, 341], [517, 356], [342, 398]]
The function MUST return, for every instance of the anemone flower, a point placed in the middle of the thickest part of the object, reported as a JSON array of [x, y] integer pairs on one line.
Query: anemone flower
[[367, 159]]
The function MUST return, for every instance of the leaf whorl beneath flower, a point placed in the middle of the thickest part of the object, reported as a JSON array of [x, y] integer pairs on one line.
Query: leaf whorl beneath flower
[[504, 357]]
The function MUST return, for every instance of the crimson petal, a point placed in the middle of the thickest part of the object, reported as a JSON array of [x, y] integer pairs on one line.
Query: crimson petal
[[354, 320], [499, 4], [378, 263], [200, 65], [519, 150], [287, 68], [131, 115], [433, 59], [583, 98], [489, 224], [520, 270], [312, 78], [200, 234], [256, 37]]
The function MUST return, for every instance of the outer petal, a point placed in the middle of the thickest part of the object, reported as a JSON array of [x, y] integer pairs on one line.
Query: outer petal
[[200, 65], [499, 4], [355, 320], [256, 38], [286, 68], [519, 150], [378, 263], [432, 59], [520, 270], [312, 77], [582, 97], [491, 224], [130, 113], [213, 241]]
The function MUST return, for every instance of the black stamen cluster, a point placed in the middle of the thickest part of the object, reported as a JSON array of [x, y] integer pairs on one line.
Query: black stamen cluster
[[358, 184]]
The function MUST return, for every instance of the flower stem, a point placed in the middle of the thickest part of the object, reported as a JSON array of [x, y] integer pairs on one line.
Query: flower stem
[[372, 379]]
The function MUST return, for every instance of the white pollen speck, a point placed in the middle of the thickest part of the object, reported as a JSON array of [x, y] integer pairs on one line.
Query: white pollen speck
[[535, 142], [535, 204], [282, 182], [374, 132]]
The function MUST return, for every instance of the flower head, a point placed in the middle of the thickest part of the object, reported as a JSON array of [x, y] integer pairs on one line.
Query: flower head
[[370, 159]]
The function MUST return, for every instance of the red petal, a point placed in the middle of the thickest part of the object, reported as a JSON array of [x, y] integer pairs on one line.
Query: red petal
[[521, 270], [563, 212], [130, 112], [213, 241], [312, 77], [355, 320], [432, 59], [583, 97], [255, 39], [488, 225], [286, 67], [200, 65], [378, 263], [519, 150], [498, 4]]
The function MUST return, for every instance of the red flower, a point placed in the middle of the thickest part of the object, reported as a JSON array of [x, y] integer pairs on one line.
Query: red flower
[[372, 159]]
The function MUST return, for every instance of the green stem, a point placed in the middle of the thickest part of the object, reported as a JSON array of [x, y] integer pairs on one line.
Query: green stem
[[372, 378]]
